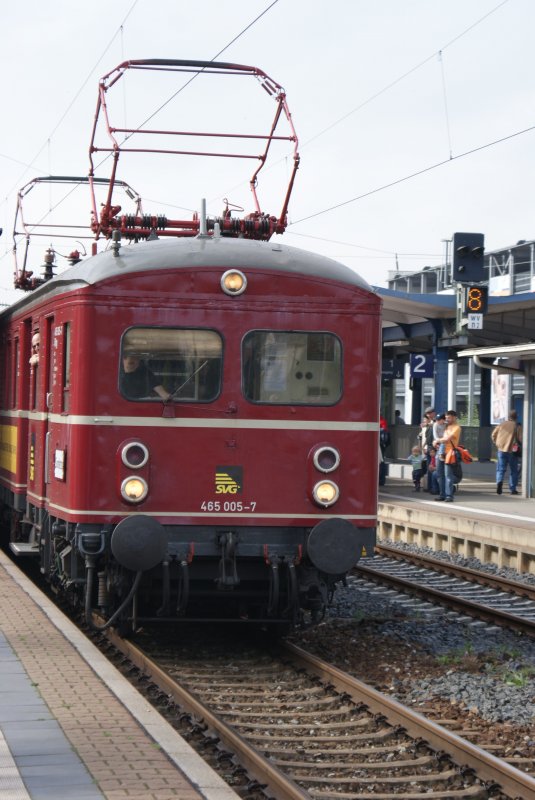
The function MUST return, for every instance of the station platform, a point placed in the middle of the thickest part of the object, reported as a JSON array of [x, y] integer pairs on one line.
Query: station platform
[[477, 490], [479, 523], [71, 726]]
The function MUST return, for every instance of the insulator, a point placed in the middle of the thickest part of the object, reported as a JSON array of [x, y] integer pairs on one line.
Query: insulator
[[74, 257]]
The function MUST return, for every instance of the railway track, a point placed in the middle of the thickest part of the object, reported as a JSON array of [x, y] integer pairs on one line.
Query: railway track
[[488, 597], [304, 729]]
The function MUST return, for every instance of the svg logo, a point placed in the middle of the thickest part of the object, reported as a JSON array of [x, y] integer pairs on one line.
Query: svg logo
[[228, 480]]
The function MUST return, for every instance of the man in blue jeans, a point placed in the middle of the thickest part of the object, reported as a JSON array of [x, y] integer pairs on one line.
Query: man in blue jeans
[[508, 439], [450, 438]]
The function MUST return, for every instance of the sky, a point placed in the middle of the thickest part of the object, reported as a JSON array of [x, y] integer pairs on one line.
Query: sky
[[414, 117]]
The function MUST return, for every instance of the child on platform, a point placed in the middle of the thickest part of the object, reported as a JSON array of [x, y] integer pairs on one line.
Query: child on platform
[[416, 459], [432, 480]]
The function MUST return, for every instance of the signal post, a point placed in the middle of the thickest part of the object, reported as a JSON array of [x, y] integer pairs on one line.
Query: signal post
[[468, 274]]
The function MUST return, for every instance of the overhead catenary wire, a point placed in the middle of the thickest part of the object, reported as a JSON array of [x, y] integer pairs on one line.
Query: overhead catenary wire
[[120, 30], [190, 80], [386, 253], [393, 83], [404, 75], [386, 88], [72, 102], [412, 175], [445, 96]]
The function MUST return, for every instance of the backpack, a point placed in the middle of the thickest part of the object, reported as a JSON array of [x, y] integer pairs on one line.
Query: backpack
[[455, 458], [465, 454]]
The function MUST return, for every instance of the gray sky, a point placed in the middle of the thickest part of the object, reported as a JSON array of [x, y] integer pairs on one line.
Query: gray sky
[[378, 89]]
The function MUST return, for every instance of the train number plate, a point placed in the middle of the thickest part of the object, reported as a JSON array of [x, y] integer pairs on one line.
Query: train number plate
[[232, 506]]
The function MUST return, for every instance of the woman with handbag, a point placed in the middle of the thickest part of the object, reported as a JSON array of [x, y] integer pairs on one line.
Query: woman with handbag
[[508, 440]]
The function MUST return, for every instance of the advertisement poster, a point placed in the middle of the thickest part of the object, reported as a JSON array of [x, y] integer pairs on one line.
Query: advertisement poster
[[499, 398]]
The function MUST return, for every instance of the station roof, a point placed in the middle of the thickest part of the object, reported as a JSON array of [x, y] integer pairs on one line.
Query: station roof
[[507, 358], [411, 321]]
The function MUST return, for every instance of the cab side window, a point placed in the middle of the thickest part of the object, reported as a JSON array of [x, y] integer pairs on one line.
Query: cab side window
[[182, 364]]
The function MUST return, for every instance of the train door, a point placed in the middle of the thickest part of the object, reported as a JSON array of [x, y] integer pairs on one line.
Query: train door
[[58, 406], [39, 397]]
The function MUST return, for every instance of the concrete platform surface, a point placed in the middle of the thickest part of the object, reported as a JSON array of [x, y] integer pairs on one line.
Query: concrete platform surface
[[71, 726], [476, 493]]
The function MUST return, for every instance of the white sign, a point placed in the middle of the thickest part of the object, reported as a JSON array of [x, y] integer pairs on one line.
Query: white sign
[[500, 285], [59, 465], [475, 322]]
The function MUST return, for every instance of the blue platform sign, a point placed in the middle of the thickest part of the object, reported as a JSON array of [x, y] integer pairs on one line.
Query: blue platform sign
[[387, 368], [421, 365], [399, 368]]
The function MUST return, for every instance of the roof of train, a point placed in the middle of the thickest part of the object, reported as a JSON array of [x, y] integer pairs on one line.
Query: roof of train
[[200, 251]]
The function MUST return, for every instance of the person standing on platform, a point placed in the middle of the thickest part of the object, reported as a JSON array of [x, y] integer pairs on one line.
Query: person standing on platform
[[430, 415], [508, 440], [450, 439], [432, 480], [399, 419], [384, 435], [426, 436]]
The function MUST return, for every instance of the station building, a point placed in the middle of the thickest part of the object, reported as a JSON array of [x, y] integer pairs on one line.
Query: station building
[[431, 359]]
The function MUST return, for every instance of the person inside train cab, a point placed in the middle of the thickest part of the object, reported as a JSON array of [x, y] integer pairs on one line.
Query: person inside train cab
[[34, 358], [138, 381]]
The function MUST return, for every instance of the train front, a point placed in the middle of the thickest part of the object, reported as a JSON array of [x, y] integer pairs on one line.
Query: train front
[[243, 429]]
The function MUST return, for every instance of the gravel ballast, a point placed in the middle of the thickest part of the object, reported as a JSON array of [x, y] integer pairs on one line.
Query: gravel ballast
[[420, 653]]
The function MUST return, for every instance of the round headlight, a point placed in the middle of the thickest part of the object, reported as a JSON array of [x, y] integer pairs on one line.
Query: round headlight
[[134, 489], [325, 493], [326, 459], [134, 455], [233, 282]]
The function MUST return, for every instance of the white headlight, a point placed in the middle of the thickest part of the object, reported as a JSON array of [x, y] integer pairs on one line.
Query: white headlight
[[134, 489], [233, 282], [325, 493]]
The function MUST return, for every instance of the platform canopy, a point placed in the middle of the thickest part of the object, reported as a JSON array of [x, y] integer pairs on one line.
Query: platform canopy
[[416, 322]]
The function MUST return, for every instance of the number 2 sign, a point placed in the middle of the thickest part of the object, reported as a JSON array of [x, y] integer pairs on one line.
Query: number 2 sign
[[421, 365]]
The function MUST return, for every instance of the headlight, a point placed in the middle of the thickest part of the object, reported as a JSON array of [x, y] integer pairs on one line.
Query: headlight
[[325, 493], [326, 459], [134, 455], [233, 282], [134, 489]]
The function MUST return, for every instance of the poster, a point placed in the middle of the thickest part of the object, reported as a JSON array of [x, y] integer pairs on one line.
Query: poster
[[499, 398]]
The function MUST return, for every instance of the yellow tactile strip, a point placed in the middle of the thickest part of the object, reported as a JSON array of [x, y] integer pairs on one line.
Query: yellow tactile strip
[[124, 760]]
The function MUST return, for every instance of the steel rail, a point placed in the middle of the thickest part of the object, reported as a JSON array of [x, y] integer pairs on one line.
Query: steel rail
[[473, 575], [258, 766], [459, 604], [486, 766], [462, 605]]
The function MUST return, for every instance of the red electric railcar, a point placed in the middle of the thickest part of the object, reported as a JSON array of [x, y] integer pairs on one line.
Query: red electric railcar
[[189, 425], [199, 435]]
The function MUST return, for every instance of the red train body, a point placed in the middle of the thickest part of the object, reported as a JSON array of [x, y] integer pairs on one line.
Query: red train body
[[236, 474], [197, 434]]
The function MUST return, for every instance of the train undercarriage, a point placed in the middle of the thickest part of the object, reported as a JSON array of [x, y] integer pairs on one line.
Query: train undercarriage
[[140, 571]]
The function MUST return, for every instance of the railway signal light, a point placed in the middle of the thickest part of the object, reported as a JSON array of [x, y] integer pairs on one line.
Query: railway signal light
[[468, 262], [472, 303], [475, 299]]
